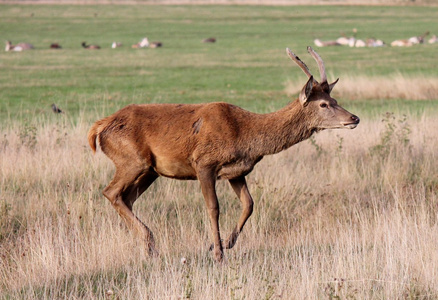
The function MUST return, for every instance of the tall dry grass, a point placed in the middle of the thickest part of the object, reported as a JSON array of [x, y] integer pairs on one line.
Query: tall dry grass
[[232, 2], [346, 215]]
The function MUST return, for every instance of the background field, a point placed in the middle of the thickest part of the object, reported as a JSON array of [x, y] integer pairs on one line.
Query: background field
[[348, 214]]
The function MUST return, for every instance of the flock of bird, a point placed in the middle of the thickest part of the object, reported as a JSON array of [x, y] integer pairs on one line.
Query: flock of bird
[[352, 41], [341, 41], [144, 43]]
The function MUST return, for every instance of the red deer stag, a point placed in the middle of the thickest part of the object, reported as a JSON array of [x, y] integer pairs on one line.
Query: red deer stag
[[207, 142]]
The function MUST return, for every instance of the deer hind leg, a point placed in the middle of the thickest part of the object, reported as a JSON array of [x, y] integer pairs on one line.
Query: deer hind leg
[[241, 189], [208, 181], [122, 192]]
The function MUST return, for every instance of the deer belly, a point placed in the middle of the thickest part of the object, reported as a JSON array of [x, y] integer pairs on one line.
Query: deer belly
[[174, 169], [236, 169]]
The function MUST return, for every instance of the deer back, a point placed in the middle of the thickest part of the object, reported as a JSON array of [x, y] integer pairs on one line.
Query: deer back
[[179, 140]]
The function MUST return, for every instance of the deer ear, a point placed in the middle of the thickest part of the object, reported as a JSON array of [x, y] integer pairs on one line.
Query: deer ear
[[332, 85], [306, 91]]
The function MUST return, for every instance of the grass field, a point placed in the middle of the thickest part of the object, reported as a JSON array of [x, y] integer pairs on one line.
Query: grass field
[[246, 66], [345, 215]]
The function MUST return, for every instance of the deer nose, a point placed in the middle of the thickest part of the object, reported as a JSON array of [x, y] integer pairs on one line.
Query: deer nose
[[355, 119]]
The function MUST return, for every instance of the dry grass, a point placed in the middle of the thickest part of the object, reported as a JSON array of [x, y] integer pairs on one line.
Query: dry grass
[[347, 215], [395, 87], [231, 2]]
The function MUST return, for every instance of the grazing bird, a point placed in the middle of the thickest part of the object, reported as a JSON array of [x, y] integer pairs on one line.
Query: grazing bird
[[19, 47], [55, 46], [56, 109], [92, 47], [144, 43], [115, 45], [209, 40], [156, 45]]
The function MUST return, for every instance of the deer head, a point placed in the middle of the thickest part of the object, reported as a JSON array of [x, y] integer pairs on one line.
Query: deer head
[[323, 110]]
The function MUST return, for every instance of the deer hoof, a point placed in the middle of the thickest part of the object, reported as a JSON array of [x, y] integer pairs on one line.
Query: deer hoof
[[152, 252], [212, 246], [218, 256], [218, 253]]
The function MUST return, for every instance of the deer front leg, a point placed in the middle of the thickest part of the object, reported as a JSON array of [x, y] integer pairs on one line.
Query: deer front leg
[[241, 189], [208, 182]]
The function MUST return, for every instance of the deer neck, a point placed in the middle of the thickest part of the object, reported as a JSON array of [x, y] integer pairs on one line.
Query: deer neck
[[280, 130]]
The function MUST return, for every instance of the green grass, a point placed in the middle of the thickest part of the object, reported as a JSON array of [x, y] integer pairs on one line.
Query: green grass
[[247, 66]]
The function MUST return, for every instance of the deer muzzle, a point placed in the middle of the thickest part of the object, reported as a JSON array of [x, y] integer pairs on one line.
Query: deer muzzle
[[352, 123]]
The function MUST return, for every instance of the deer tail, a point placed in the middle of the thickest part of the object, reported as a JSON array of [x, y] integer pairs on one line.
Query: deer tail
[[93, 133]]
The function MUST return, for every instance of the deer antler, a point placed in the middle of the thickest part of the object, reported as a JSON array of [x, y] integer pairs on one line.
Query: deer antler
[[299, 62], [320, 64]]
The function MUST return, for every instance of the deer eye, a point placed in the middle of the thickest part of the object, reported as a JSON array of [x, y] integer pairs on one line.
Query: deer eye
[[323, 105]]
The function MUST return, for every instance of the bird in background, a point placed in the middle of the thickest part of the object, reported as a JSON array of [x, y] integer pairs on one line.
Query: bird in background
[[56, 109]]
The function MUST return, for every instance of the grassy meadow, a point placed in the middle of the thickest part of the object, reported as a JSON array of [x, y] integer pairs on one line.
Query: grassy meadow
[[348, 214]]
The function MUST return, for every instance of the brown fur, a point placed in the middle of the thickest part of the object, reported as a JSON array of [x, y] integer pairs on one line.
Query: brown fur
[[206, 142], [90, 47]]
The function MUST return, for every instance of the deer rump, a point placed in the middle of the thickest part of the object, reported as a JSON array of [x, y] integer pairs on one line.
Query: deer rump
[[175, 139]]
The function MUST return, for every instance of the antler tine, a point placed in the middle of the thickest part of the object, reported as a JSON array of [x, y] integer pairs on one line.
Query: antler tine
[[320, 63], [299, 62]]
